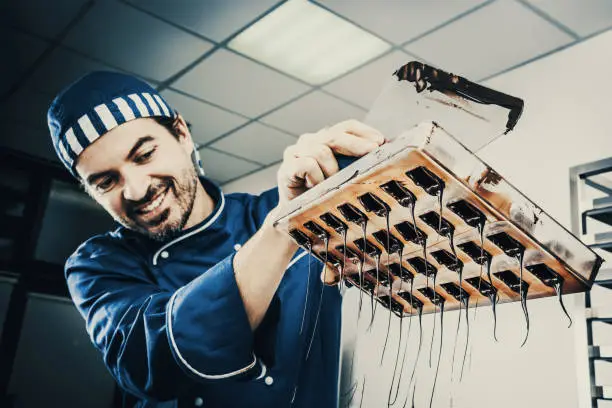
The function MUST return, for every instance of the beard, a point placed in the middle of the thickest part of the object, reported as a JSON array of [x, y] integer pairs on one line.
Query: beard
[[172, 220]]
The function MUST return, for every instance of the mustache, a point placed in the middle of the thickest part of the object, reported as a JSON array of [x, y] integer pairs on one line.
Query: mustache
[[154, 189]]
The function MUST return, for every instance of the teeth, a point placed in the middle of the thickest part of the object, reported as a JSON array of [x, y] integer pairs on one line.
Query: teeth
[[154, 204]]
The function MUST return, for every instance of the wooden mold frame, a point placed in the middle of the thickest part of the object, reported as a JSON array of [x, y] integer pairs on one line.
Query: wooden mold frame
[[420, 147]]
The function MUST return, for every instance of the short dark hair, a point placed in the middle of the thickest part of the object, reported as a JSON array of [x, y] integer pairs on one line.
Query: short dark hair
[[168, 123]]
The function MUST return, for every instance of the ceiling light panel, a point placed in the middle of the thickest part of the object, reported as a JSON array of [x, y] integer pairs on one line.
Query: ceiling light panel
[[308, 42], [399, 21], [214, 19]]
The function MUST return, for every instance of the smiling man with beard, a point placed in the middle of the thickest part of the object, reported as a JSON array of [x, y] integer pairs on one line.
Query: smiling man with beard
[[196, 299]]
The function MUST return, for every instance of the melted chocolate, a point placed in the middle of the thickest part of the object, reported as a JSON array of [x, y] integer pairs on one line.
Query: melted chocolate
[[482, 285], [506, 243], [316, 229], [334, 222], [400, 193], [347, 252], [410, 232], [301, 239], [432, 295], [477, 253], [521, 287], [388, 241], [428, 181], [419, 263], [468, 213], [447, 259], [489, 291], [414, 302], [367, 285], [552, 279], [369, 249], [433, 390], [307, 290], [325, 256], [373, 203], [396, 307], [511, 280], [441, 225], [403, 273], [456, 291], [353, 214], [383, 279], [427, 77]]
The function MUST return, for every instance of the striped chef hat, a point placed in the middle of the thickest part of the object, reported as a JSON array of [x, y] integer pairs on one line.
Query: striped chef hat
[[97, 103]]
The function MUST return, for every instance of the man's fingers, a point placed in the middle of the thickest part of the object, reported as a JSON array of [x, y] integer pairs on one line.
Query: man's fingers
[[322, 154], [311, 160], [351, 145], [302, 172], [360, 129], [351, 138]]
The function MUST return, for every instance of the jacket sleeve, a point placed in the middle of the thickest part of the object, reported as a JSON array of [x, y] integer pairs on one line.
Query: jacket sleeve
[[158, 343]]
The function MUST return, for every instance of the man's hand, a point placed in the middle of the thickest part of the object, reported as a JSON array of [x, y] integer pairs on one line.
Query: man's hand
[[311, 159]]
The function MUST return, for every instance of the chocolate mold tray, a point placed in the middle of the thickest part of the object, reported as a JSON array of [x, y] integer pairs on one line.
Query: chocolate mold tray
[[491, 244]]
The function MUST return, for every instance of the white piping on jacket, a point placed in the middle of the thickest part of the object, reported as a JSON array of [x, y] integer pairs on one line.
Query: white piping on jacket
[[217, 376], [195, 231], [297, 258], [264, 370], [180, 356]]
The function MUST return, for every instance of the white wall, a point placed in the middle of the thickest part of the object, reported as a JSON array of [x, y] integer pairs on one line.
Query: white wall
[[254, 183], [566, 123]]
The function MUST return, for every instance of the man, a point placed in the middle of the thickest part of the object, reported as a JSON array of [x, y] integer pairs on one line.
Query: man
[[196, 298]]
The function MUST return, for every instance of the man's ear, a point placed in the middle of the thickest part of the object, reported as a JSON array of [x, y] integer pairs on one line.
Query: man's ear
[[182, 132]]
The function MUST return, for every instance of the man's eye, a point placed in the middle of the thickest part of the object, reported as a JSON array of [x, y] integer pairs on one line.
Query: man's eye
[[144, 157], [105, 184]]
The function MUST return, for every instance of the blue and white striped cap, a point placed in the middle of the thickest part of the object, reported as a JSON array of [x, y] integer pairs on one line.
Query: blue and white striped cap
[[95, 104]]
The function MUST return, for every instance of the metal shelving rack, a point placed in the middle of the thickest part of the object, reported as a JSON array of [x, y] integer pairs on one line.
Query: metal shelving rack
[[598, 176]]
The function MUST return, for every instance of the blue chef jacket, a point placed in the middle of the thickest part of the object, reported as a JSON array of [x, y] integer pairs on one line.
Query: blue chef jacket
[[171, 325]]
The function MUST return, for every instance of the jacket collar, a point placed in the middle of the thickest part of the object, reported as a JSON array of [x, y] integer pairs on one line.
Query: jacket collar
[[215, 193]]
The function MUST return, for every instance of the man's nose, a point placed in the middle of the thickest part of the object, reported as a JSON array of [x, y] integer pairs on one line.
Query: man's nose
[[135, 186]]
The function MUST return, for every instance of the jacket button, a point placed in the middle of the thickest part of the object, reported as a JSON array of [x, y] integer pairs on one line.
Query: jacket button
[[164, 254], [269, 380], [237, 247], [198, 402]]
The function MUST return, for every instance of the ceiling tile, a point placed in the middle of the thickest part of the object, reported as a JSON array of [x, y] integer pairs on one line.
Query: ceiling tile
[[222, 167], [62, 68], [311, 113], [42, 17], [363, 85], [582, 17], [399, 21], [207, 121], [239, 84], [21, 50], [214, 19], [256, 142], [137, 42], [488, 40], [308, 42]]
